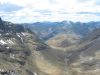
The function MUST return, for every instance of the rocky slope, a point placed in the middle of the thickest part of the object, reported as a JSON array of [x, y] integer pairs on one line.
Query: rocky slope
[[85, 59], [64, 40], [23, 53]]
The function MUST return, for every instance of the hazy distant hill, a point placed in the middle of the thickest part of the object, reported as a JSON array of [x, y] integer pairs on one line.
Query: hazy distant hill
[[62, 34], [47, 30]]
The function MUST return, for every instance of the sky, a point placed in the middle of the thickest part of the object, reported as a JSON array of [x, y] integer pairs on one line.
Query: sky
[[28, 11]]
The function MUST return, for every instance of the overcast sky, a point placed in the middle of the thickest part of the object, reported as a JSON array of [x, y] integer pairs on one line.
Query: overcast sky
[[25, 11]]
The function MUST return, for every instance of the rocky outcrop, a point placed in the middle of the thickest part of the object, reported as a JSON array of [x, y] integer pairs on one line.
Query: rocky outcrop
[[16, 47]]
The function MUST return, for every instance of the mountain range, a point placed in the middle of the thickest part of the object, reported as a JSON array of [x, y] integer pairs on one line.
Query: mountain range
[[62, 34], [47, 30], [23, 53], [50, 48]]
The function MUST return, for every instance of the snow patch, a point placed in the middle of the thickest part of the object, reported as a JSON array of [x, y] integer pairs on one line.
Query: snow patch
[[1, 70], [10, 41], [35, 73], [22, 40], [7, 33], [18, 34], [8, 47], [12, 56], [2, 42], [23, 33]]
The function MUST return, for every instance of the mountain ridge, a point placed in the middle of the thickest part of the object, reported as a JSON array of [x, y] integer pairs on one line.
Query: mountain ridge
[[23, 53], [85, 59], [47, 30]]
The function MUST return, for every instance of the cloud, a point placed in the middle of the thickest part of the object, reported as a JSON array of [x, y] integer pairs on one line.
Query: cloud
[[50, 10], [9, 7]]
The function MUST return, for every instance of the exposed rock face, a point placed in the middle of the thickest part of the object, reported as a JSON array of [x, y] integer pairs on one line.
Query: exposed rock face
[[15, 50], [8, 72]]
